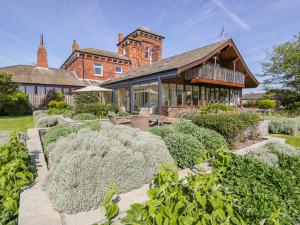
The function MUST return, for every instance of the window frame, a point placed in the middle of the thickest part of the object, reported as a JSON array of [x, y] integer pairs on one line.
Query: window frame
[[116, 69], [147, 53], [98, 65]]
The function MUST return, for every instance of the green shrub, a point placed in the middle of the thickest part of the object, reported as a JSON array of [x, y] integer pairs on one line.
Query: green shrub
[[263, 191], [87, 98], [16, 172], [216, 108], [266, 104], [229, 126], [52, 104], [51, 96], [84, 116], [122, 114], [17, 104], [188, 115], [86, 163], [283, 126], [161, 131], [113, 108], [186, 150], [56, 111], [295, 106], [98, 109]]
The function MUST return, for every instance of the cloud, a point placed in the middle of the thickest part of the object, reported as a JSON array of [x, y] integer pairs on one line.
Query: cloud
[[234, 17], [14, 38]]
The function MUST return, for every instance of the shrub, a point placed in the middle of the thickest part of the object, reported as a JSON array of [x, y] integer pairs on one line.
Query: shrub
[[44, 120], [188, 115], [17, 104], [97, 109], [283, 126], [216, 108], [266, 104], [85, 164], [161, 131], [228, 125], [16, 172], [295, 106], [87, 98], [63, 111], [113, 108], [84, 116], [52, 104], [122, 114], [37, 112], [51, 96], [185, 149]]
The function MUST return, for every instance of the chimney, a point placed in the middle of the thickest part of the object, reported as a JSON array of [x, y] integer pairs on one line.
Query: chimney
[[75, 46], [42, 59], [120, 37]]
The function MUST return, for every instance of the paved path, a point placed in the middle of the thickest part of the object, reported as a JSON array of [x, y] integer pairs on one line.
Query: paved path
[[35, 207]]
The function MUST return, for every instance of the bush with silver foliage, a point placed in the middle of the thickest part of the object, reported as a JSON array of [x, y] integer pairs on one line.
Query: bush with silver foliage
[[44, 120], [86, 163]]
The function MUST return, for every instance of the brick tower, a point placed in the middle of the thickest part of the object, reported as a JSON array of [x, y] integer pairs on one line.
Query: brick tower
[[42, 59]]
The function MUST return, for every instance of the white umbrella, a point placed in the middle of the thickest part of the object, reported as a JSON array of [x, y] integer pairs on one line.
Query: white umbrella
[[92, 88]]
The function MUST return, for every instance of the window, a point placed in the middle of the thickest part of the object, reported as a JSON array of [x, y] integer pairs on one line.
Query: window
[[166, 94], [66, 90], [147, 53], [21, 88], [179, 91], [98, 69], [195, 95], [118, 69], [40, 90], [188, 89], [30, 89]]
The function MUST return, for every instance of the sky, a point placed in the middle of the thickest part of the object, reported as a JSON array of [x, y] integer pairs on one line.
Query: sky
[[254, 25]]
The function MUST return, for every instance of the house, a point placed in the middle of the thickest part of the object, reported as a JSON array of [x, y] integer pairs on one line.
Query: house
[[213, 73], [141, 47], [37, 80]]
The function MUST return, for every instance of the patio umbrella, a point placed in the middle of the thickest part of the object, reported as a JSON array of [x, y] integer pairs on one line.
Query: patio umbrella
[[92, 88]]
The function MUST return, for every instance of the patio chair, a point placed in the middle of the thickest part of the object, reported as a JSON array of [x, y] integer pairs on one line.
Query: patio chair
[[114, 120]]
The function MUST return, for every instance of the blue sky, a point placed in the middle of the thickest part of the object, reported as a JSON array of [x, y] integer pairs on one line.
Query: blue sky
[[187, 24]]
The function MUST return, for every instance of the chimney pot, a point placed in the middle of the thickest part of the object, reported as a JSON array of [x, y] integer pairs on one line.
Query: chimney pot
[[120, 37], [75, 46], [42, 58]]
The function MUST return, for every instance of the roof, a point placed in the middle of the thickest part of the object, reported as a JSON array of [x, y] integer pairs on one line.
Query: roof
[[170, 63], [39, 75], [103, 53], [92, 89], [258, 96], [182, 61]]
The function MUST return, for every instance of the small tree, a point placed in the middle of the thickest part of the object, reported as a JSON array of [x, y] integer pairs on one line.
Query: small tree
[[7, 87], [282, 67]]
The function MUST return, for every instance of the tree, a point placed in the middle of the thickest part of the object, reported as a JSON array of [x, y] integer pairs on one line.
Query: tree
[[7, 87], [282, 66]]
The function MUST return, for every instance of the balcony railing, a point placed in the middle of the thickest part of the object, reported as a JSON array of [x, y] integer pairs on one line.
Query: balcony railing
[[215, 73]]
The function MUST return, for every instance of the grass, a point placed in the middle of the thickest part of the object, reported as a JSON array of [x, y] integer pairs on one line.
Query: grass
[[290, 139], [10, 123]]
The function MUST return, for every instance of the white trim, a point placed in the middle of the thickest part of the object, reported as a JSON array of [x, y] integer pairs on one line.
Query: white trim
[[98, 65]]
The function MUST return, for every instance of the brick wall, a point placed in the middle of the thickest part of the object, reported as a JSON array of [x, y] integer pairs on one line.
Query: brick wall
[[88, 65]]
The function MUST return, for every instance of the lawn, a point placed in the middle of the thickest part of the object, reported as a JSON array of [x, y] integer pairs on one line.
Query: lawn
[[10, 123], [290, 139]]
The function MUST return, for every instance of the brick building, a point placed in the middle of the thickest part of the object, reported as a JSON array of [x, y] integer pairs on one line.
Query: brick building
[[141, 47]]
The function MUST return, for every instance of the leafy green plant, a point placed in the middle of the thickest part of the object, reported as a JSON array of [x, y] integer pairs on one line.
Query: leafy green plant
[[51, 96], [266, 104], [113, 108], [16, 171], [122, 114], [216, 108], [84, 116], [17, 104]]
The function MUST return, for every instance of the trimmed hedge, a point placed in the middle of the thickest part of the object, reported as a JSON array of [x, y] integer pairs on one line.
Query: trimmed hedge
[[185, 149], [44, 120], [228, 125]]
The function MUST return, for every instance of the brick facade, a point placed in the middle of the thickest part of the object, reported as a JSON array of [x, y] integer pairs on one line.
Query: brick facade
[[42, 58], [131, 54]]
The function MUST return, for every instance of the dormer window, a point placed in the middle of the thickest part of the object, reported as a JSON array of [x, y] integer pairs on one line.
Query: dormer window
[[98, 70], [147, 53]]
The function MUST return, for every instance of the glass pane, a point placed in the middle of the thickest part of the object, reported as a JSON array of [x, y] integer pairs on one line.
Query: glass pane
[[173, 98], [166, 93], [212, 94], [58, 90], [207, 95], [217, 94], [141, 100], [30, 89], [66, 90], [49, 88], [153, 97], [195, 95], [40, 90], [179, 91], [188, 89], [203, 96], [21, 88]]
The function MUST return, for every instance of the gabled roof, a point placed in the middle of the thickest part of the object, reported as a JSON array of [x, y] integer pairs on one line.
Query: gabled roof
[[27, 74], [185, 61], [102, 53]]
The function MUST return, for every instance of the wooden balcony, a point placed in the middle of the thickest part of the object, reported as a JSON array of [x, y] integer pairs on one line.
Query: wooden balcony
[[215, 75]]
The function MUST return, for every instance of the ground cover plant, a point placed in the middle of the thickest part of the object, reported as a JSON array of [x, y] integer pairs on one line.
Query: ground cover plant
[[16, 171], [188, 143], [10, 123], [84, 116], [266, 184], [86, 163], [44, 120], [231, 126], [216, 108]]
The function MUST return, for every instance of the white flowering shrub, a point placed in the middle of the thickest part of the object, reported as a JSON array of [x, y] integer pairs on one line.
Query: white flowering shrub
[[284, 126], [86, 163], [37, 112], [44, 120], [268, 153]]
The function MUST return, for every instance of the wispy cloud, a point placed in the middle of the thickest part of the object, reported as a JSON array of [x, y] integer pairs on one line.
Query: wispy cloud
[[15, 38], [233, 16]]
